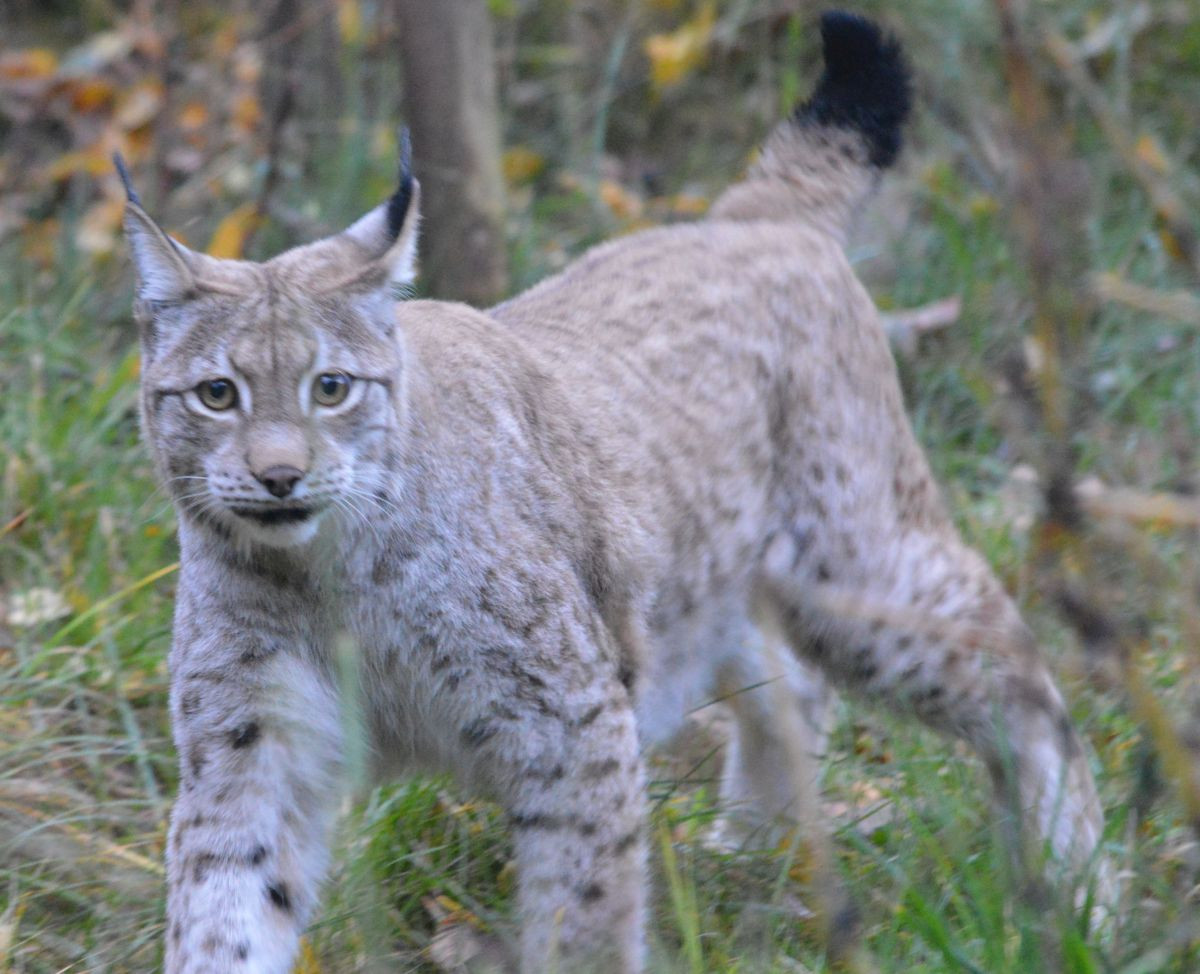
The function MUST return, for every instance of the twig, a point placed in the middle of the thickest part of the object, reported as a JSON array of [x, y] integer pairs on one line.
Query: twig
[[1183, 306], [905, 326], [1167, 203]]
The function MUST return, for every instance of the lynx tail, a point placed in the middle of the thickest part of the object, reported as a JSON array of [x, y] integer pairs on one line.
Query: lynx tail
[[818, 165], [865, 88]]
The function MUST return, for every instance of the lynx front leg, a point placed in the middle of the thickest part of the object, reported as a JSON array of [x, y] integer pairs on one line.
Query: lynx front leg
[[576, 806], [259, 745]]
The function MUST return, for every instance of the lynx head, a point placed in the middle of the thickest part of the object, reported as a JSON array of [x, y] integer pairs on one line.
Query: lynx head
[[269, 390]]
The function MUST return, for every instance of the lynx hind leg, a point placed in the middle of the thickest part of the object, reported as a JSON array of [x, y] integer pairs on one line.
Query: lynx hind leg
[[770, 778], [916, 620]]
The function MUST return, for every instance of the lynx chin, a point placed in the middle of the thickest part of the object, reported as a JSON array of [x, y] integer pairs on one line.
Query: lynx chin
[[676, 470]]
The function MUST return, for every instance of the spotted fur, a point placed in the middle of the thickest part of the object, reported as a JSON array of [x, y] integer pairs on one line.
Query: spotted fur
[[679, 469]]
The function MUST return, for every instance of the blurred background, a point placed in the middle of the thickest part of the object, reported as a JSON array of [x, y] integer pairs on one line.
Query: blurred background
[[1035, 257]]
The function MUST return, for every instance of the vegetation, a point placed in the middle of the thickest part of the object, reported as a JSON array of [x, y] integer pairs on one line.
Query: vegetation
[[1047, 186]]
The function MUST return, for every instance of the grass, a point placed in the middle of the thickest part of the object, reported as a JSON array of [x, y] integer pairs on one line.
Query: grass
[[86, 767]]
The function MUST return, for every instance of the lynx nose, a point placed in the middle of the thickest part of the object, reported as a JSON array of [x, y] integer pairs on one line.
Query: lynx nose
[[280, 480]]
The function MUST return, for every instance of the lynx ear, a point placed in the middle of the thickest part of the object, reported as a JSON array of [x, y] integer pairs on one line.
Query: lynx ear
[[389, 232], [164, 266]]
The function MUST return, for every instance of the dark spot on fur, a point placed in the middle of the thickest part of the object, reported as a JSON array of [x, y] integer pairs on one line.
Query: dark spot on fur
[[202, 864], [190, 703], [245, 735], [549, 823], [590, 716], [1067, 737], [625, 843], [504, 712], [823, 572], [594, 770], [257, 855], [210, 944], [478, 732], [440, 663], [279, 896], [587, 829], [591, 893], [626, 675], [241, 951], [196, 760], [175, 933], [818, 473]]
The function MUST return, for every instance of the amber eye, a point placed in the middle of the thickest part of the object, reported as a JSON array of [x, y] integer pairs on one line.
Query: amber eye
[[331, 388], [217, 393]]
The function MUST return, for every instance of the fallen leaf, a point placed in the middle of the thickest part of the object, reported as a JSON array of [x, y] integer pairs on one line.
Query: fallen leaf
[[624, 204], [522, 165], [139, 104], [675, 55], [230, 236], [35, 606], [247, 114], [35, 62], [97, 233], [1150, 152]]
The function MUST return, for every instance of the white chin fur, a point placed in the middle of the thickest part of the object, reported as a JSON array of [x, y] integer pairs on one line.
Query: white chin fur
[[286, 535]]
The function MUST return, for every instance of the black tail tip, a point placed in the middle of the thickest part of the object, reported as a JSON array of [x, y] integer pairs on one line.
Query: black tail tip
[[866, 85]]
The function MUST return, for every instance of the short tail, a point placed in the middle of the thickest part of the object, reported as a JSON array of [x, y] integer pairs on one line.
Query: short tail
[[820, 163]]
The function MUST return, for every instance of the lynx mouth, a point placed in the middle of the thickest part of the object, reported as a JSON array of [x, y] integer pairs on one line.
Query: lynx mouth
[[275, 515]]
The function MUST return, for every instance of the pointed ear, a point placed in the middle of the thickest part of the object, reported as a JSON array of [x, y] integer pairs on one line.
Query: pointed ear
[[389, 234], [164, 266]]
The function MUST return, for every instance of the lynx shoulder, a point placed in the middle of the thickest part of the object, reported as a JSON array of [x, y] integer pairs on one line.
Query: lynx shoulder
[[549, 530]]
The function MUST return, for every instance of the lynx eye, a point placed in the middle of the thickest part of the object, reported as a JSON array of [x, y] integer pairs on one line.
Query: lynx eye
[[331, 388], [217, 393]]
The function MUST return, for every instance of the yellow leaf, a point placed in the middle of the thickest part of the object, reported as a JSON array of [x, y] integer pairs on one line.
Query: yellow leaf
[[94, 161], [349, 18], [37, 62], [230, 236], [1150, 153], [246, 114], [689, 204], [308, 962], [522, 165], [624, 204], [673, 56], [1171, 243], [97, 233], [91, 94], [193, 115], [139, 104]]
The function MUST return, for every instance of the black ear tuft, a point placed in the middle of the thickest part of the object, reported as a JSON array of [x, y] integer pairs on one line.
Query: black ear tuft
[[123, 172], [866, 85], [398, 205]]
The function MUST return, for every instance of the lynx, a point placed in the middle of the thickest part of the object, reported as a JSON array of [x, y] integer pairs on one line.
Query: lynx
[[549, 530]]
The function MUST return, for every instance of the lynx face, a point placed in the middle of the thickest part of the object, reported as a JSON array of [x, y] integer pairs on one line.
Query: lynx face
[[268, 392], [276, 414]]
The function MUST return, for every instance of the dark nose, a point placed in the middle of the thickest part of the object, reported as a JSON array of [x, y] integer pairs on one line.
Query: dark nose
[[280, 480]]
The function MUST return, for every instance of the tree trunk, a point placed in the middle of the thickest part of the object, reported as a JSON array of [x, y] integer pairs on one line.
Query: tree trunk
[[450, 100]]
